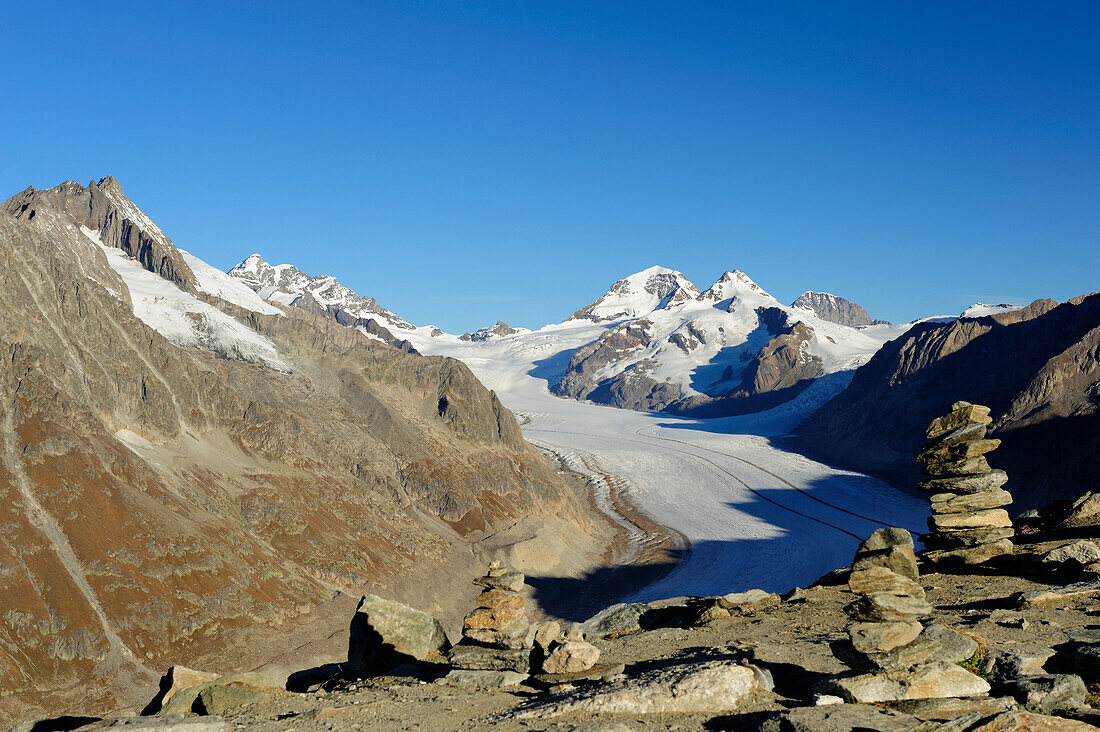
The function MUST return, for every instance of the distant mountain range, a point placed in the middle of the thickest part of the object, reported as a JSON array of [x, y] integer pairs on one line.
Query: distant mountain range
[[657, 342]]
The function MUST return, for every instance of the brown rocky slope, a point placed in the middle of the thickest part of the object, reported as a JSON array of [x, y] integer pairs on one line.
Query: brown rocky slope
[[157, 502], [1037, 368]]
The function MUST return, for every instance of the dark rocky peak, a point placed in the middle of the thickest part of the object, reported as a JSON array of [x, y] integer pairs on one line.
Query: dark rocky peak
[[483, 334], [102, 207], [835, 309]]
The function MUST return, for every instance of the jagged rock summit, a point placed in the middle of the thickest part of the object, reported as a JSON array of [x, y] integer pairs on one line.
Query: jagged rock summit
[[287, 285], [835, 309]]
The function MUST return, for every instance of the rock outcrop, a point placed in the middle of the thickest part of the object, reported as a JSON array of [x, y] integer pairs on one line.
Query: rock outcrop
[[835, 309], [500, 328], [968, 524]]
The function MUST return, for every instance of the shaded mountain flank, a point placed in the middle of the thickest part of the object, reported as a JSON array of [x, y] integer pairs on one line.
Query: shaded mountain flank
[[164, 496], [1038, 368]]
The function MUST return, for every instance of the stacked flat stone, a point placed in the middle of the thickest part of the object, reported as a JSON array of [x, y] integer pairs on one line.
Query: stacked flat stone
[[968, 524], [496, 636], [895, 655], [500, 647]]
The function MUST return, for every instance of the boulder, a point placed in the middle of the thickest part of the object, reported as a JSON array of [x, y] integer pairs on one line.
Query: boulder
[[977, 554], [1004, 665], [1060, 595], [571, 657], [176, 678], [506, 580], [946, 710], [712, 687], [1049, 692], [890, 548], [956, 451], [935, 643], [959, 538], [841, 718], [1086, 661], [615, 621], [599, 672], [217, 699], [1073, 556], [385, 633], [933, 681], [749, 601], [879, 637], [153, 724], [1084, 512], [1021, 721], [546, 633]]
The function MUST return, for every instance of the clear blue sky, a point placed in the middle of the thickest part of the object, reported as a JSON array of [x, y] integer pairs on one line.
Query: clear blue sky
[[464, 162]]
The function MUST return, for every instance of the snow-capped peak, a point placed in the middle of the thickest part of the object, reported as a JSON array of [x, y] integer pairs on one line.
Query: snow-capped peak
[[288, 285], [641, 293], [981, 309], [733, 284]]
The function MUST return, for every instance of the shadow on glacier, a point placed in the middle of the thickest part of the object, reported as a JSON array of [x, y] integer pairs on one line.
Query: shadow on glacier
[[552, 368], [808, 540], [775, 422]]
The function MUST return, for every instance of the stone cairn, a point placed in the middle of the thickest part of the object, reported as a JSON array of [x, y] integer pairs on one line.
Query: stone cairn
[[894, 654], [968, 525], [501, 647]]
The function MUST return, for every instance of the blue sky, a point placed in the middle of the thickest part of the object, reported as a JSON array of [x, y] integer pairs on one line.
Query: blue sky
[[464, 162]]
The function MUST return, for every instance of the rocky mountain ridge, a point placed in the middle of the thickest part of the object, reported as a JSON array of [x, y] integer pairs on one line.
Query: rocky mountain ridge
[[322, 294], [186, 469], [835, 309], [1037, 367]]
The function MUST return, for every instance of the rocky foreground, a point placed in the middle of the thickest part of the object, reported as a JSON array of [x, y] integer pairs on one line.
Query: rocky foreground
[[1012, 644]]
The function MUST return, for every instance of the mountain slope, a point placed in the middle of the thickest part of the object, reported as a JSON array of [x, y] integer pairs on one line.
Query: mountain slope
[[164, 490], [1038, 368]]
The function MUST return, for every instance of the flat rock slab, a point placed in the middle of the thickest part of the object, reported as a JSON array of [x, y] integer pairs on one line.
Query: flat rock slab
[[977, 554], [944, 710], [1021, 721], [713, 687], [934, 681], [615, 621], [841, 718], [483, 679], [161, 724], [1065, 594], [599, 672]]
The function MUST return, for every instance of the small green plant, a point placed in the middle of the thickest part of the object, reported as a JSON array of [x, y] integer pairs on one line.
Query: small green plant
[[976, 664]]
